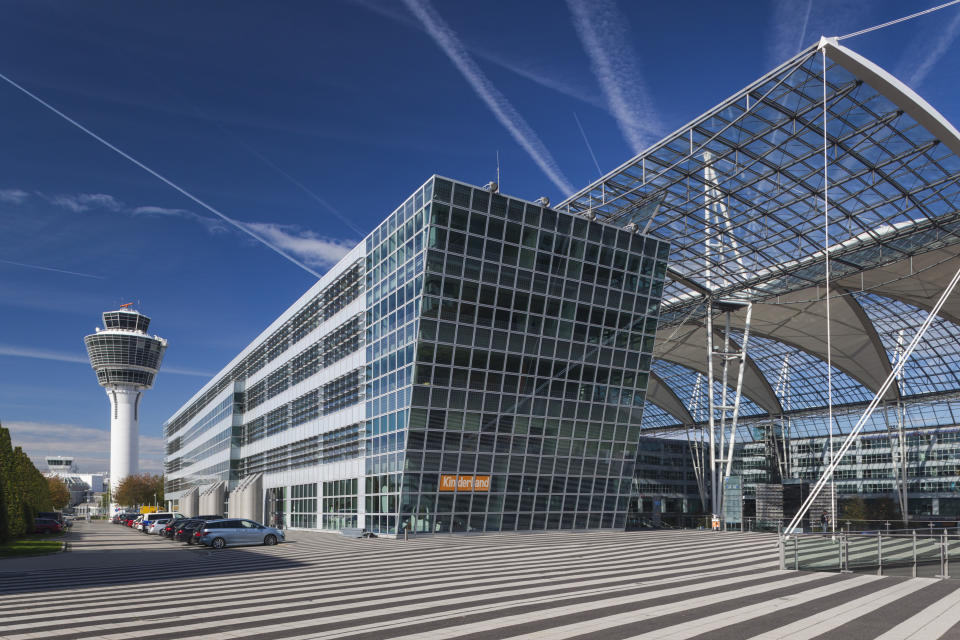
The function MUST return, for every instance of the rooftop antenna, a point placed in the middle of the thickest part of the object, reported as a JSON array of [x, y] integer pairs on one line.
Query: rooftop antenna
[[498, 167]]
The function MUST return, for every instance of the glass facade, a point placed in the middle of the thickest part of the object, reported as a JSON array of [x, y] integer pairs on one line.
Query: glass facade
[[534, 347], [484, 360]]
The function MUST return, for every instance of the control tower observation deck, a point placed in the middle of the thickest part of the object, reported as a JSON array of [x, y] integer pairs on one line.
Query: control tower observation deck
[[126, 360]]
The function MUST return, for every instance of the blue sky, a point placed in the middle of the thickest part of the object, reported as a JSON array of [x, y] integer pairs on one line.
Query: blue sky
[[309, 122]]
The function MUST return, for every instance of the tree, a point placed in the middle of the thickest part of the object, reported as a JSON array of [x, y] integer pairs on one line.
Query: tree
[[140, 489], [4, 524], [854, 508], [25, 490], [59, 493]]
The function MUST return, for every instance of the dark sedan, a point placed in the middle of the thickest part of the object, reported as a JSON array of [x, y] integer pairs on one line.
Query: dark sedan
[[184, 531]]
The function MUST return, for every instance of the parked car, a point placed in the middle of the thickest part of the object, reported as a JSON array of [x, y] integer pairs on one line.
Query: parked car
[[153, 526], [182, 528], [56, 516], [135, 523], [234, 532], [148, 518], [46, 525], [184, 531]]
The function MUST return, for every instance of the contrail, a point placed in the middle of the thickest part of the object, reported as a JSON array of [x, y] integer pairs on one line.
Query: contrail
[[508, 116], [601, 31], [939, 48], [344, 219], [160, 177], [587, 142], [59, 356], [36, 266], [490, 55]]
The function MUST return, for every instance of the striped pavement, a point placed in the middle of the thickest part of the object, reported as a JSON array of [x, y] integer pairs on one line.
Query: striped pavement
[[115, 583]]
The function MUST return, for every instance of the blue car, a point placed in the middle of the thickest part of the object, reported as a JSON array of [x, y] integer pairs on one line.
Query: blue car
[[235, 532]]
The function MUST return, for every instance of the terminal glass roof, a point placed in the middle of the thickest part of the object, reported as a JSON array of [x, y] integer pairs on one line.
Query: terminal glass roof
[[739, 193]]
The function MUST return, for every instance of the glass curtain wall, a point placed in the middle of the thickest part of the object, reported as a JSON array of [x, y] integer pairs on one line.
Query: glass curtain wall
[[394, 280], [534, 348]]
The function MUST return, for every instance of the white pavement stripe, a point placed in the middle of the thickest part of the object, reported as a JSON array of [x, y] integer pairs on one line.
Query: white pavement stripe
[[441, 575], [367, 598], [829, 619], [333, 614], [717, 622], [676, 563], [647, 613], [931, 623], [552, 613]]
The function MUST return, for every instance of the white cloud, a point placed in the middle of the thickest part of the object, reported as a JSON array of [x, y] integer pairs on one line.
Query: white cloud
[[81, 202], [289, 241], [213, 225], [90, 447], [13, 196], [313, 249], [508, 116], [603, 33], [186, 372]]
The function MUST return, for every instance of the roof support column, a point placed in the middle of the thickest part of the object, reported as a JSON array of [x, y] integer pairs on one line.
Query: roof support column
[[722, 418]]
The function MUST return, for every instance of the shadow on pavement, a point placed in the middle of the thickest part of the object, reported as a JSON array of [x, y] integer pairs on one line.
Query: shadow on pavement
[[101, 557]]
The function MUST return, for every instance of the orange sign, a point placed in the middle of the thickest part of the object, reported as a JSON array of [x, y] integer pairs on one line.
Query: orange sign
[[464, 483]]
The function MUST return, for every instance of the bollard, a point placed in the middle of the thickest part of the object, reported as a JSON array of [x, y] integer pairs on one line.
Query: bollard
[[781, 554], [839, 553], [845, 542], [914, 574], [879, 554], [796, 553], [944, 556]]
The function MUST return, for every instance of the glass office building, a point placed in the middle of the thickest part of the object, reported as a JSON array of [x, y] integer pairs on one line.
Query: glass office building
[[477, 363]]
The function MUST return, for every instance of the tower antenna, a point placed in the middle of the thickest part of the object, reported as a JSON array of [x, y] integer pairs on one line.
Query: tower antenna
[[498, 169]]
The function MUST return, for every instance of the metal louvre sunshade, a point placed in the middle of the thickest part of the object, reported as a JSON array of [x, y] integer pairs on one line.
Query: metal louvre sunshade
[[739, 192]]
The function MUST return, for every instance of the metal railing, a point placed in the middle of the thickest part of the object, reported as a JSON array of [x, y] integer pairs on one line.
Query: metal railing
[[925, 527], [913, 553]]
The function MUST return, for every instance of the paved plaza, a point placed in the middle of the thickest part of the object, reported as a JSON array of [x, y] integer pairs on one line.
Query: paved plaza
[[116, 583]]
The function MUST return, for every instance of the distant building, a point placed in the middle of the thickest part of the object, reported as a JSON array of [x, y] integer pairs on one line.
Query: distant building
[[82, 486]]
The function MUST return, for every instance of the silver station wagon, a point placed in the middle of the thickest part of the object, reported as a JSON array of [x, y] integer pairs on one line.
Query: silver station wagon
[[236, 532]]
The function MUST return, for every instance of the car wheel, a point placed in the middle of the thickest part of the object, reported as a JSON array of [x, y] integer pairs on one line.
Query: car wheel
[[270, 540], [218, 543]]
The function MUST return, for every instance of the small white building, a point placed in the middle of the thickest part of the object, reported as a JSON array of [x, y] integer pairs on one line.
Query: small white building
[[82, 486]]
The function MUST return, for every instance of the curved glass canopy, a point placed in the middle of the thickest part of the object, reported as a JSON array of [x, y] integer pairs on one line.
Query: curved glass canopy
[[743, 193]]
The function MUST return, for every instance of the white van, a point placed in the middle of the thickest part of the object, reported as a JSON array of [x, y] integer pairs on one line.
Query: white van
[[148, 517]]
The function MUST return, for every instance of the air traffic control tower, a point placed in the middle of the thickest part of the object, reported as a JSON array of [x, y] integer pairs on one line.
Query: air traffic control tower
[[126, 360]]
